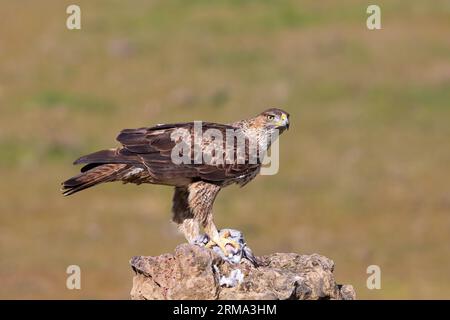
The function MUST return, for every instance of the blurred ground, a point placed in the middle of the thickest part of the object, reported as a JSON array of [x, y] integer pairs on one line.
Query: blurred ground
[[364, 175]]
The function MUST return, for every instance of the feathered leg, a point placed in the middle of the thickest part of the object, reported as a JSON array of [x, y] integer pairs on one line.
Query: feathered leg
[[183, 216], [192, 208], [201, 199]]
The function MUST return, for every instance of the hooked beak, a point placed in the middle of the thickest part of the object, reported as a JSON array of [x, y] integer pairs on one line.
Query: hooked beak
[[284, 122]]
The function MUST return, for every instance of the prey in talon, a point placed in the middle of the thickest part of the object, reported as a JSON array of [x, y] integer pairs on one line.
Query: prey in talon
[[228, 246], [233, 248]]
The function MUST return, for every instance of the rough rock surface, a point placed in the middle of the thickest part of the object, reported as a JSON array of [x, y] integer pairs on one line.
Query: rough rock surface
[[194, 272]]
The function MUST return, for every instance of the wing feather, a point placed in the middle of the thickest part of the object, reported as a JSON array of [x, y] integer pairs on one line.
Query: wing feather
[[153, 146]]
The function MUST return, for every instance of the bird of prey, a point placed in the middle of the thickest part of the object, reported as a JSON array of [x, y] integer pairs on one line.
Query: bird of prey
[[146, 156]]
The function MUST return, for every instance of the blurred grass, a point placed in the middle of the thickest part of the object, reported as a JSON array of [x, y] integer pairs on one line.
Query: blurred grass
[[364, 169], [54, 99]]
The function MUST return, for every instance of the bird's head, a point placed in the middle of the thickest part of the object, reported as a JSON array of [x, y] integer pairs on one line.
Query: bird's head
[[274, 118]]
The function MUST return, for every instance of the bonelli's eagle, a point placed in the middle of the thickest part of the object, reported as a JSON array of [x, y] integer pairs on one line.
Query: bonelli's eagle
[[146, 155]]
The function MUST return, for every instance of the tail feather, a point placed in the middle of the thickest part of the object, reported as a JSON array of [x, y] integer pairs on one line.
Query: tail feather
[[107, 156], [98, 174]]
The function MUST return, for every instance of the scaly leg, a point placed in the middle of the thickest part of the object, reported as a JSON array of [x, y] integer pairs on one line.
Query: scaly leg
[[221, 241]]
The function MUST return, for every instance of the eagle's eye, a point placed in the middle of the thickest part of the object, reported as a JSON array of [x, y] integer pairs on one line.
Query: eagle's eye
[[270, 117]]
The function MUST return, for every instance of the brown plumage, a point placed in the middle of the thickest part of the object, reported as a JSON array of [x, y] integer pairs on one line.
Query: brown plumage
[[145, 156]]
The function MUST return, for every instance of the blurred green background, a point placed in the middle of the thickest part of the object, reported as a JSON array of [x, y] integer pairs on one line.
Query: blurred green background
[[364, 173]]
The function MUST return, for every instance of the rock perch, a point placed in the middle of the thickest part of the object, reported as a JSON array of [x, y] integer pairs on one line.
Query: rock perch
[[194, 272]]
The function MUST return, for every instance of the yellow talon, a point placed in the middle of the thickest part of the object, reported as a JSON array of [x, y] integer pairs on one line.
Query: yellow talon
[[222, 241]]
